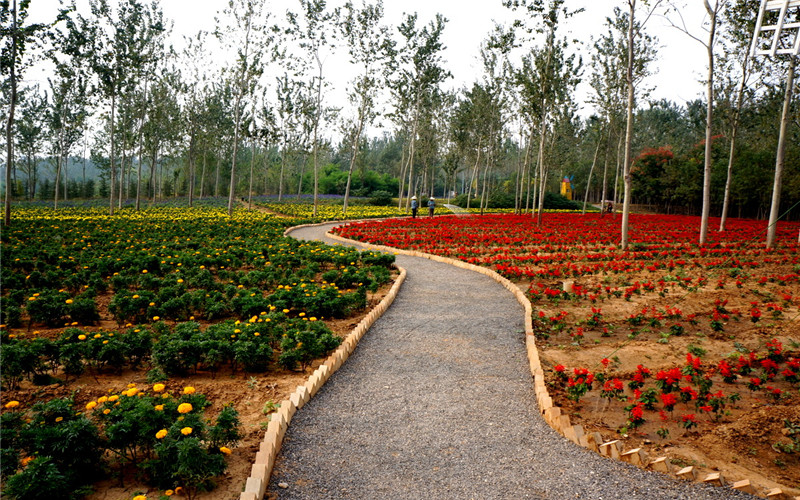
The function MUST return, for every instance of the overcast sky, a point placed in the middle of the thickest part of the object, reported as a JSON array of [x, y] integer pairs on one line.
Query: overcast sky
[[680, 66]]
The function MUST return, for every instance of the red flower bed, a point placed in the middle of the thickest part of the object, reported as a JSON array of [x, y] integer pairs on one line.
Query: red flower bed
[[695, 351]]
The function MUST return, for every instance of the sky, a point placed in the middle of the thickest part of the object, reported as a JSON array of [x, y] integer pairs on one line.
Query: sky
[[678, 70]]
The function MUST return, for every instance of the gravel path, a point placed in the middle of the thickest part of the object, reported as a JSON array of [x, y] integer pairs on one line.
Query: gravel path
[[437, 402]]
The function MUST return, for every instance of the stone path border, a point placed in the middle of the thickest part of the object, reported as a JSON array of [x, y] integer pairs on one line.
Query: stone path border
[[261, 470]]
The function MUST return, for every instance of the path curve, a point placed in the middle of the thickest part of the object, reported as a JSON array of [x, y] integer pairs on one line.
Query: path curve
[[437, 402]]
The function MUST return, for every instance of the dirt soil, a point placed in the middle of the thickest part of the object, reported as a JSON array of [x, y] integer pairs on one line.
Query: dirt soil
[[747, 438], [249, 394]]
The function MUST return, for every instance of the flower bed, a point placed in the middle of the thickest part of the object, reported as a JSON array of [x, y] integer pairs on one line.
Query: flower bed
[[684, 350], [162, 298]]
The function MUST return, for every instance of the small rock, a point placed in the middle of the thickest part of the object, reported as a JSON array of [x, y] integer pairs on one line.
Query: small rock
[[283, 485]]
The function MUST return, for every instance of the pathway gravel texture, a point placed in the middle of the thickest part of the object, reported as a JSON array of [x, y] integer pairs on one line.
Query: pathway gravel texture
[[437, 402]]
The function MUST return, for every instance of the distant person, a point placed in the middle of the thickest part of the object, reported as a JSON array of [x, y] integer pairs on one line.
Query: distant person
[[431, 206], [414, 207]]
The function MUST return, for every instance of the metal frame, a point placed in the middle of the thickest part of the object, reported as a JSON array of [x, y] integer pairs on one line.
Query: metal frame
[[776, 5]]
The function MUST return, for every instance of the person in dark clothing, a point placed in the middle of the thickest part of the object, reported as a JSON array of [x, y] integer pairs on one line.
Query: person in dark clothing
[[414, 207], [431, 206]]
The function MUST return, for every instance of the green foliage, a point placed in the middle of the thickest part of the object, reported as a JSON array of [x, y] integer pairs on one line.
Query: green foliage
[[309, 341]]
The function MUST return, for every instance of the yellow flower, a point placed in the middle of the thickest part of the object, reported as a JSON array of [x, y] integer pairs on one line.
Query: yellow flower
[[144, 271], [97, 335], [156, 318], [159, 407], [91, 405], [106, 411], [188, 390], [169, 493], [12, 404], [131, 385], [69, 301], [81, 337], [179, 490], [132, 392], [140, 497], [158, 387], [285, 311], [135, 296], [102, 399], [113, 398], [186, 431], [225, 450], [184, 408], [59, 419], [25, 461], [161, 434]]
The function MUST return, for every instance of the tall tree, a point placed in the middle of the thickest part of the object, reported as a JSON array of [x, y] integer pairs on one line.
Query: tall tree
[[17, 37], [31, 134], [634, 32], [368, 44], [248, 35], [740, 22], [314, 30], [419, 73], [548, 75], [677, 20]]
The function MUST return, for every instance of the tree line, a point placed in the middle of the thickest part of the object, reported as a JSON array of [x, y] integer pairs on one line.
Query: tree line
[[156, 120]]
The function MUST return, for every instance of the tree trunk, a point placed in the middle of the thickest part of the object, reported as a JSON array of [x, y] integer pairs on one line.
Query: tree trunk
[[252, 171], [112, 175], [781, 155], [709, 115], [203, 174], [11, 108], [58, 177], [734, 132], [283, 166], [626, 165], [589, 181], [141, 148]]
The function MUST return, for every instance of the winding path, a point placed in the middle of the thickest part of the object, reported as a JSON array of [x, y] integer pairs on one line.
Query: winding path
[[437, 403]]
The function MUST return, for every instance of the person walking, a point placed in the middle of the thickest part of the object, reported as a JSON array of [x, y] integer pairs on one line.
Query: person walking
[[431, 206], [414, 207]]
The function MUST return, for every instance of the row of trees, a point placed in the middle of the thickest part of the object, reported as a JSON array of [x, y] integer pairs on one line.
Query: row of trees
[[152, 116]]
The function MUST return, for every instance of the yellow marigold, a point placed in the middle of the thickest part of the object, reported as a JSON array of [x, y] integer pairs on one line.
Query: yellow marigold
[[102, 399], [161, 434], [81, 337], [132, 392], [169, 493], [106, 411], [188, 390], [68, 301], [59, 419], [184, 408], [158, 387], [285, 311], [140, 497], [225, 450], [159, 408], [131, 385], [186, 431], [156, 318], [113, 398], [135, 296], [12, 404], [179, 490], [97, 335], [25, 461], [144, 271], [91, 405]]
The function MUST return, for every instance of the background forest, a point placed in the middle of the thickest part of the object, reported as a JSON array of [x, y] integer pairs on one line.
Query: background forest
[[127, 117]]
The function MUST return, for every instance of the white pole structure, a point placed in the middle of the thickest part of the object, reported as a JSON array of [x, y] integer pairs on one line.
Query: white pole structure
[[779, 31]]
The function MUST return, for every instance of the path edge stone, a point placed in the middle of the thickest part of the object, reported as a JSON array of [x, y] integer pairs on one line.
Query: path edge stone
[[261, 469]]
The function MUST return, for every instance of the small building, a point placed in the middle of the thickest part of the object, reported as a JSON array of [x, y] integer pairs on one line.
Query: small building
[[566, 188]]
